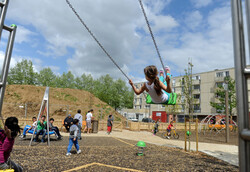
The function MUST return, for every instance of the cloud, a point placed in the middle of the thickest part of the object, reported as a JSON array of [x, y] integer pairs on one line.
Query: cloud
[[193, 20], [201, 3], [121, 29]]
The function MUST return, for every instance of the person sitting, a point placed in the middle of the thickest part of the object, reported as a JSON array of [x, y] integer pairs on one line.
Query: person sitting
[[170, 126], [54, 128], [7, 139], [41, 129], [27, 127], [68, 121]]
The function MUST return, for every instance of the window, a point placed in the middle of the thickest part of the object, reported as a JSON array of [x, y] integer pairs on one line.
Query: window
[[182, 81], [227, 73], [196, 87], [219, 74], [196, 77], [147, 106], [162, 106], [182, 108], [182, 99], [197, 108], [173, 82], [197, 96]]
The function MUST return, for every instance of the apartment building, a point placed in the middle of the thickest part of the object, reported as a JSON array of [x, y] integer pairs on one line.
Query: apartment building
[[204, 86]]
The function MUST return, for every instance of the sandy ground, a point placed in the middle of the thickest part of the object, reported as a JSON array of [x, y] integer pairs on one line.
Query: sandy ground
[[101, 152], [225, 152]]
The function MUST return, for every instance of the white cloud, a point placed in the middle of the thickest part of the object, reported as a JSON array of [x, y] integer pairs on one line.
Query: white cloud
[[115, 24], [201, 3], [194, 20]]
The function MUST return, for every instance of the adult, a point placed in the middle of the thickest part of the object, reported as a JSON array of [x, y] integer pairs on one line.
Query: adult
[[79, 117], [89, 117], [68, 121]]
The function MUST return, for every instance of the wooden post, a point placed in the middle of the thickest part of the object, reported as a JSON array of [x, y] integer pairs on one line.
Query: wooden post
[[185, 135], [25, 113], [196, 128]]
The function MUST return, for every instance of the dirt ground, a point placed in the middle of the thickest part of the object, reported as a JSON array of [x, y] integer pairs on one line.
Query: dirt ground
[[111, 154], [209, 137]]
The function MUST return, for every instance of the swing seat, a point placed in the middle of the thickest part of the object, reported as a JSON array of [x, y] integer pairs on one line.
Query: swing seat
[[31, 131], [7, 170], [171, 101]]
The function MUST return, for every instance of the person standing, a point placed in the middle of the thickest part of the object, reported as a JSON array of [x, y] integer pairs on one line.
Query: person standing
[[68, 121], [109, 124], [73, 138], [89, 117], [79, 117]]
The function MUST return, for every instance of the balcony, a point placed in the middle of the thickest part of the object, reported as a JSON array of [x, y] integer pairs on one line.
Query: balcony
[[219, 79], [196, 82], [196, 91]]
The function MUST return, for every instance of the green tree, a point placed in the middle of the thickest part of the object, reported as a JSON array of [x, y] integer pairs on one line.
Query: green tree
[[66, 80], [219, 105], [46, 77], [22, 73]]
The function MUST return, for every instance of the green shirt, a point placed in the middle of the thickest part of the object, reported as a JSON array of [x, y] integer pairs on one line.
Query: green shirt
[[41, 126]]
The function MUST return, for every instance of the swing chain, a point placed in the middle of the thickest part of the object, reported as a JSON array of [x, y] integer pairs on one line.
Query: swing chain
[[93, 36], [152, 35]]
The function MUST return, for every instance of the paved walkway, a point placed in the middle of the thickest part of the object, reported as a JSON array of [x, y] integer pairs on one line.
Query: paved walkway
[[228, 153]]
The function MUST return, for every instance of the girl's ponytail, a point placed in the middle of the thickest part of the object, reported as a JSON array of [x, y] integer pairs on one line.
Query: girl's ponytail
[[157, 86]]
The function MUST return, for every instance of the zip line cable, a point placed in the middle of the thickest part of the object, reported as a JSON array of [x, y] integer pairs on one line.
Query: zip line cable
[[93, 36], [152, 35]]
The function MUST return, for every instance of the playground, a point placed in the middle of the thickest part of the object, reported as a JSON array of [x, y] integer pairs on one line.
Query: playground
[[108, 153]]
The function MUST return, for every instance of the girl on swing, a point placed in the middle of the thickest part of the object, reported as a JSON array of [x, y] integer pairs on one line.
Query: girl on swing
[[158, 91]]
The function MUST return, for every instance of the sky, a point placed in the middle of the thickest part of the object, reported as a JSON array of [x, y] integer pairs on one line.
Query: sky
[[50, 35]]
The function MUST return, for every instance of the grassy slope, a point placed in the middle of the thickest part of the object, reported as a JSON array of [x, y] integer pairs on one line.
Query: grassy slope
[[60, 99]]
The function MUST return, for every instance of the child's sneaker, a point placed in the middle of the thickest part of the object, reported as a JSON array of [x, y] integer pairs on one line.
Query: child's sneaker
[[68, 154], [22, 136], [168, 137], [79, 151]]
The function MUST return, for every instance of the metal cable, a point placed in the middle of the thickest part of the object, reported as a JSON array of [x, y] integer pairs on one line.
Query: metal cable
[[93, 36], [152, 35]]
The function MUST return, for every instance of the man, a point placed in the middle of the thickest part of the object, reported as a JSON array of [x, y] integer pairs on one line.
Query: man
[[79, 117], [68, 121], [41, 128], [27, 128], [89, 117]]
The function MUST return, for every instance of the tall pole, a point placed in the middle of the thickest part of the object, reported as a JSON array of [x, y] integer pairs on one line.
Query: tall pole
[[226, 106]]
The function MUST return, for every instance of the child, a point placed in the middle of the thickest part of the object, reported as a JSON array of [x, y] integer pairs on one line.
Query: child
[[41, 129], [55, 129], [26, 129], [73, 137], [158, 91], [169, 129], [156, 126], [7, 138], [109, 124]]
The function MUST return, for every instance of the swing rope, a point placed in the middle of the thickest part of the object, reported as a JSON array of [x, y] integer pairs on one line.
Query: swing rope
[[93, 36], [152, 35]]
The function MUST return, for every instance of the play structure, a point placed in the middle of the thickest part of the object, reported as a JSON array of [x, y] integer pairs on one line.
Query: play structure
[[43, 109], [215, 124]]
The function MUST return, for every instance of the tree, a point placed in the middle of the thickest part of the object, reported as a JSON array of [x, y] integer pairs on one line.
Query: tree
[[220, 97], [46, 77], [66, 80], [22, 73]]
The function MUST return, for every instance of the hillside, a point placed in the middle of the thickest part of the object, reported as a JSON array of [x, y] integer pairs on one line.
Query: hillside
[[61, 101]]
